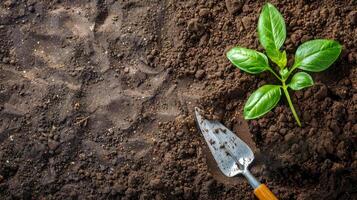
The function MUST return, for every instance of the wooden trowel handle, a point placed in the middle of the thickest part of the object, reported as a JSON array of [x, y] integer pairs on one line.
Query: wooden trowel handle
[[262, 192]]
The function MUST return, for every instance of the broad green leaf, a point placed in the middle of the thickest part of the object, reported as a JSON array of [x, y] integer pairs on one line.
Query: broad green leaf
[[272, 33], [248, 60], [317, 55], [301, 80], [262, 101]]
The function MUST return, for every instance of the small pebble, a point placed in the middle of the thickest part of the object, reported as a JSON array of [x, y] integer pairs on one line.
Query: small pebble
[[126, 70]]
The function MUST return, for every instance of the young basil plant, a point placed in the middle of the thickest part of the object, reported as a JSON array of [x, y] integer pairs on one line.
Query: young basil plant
[[313, 56]]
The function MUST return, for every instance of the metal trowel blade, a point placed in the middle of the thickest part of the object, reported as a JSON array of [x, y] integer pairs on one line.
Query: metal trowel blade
[[231, 154]]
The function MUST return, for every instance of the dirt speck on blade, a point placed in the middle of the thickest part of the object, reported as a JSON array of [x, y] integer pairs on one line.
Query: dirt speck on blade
[[97, 101]]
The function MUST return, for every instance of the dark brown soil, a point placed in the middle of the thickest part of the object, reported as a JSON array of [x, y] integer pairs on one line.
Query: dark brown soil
[[97, 97]]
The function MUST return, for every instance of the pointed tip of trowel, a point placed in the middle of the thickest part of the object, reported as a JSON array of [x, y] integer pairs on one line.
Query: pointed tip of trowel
[[198, 116], [198, 112]]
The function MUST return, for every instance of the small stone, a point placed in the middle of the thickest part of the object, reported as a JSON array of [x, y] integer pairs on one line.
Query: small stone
[[165, 144], [273, 128], [193, 25], [191, 151], [53, 145], [120, 55], [31, 8], [199, 74], [1, 178], [126, 70], [56, 137], [102, 168], [290, 136], [82, 156], [179, 134], [204, 12], [283, 131], [99, 176], [247, 22], [6, 60], [115, 18], [234, 6], [156, 183]]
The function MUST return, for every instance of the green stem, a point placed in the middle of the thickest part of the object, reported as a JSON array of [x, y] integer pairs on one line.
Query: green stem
[[272, 71], [291, 70], [285, 89]]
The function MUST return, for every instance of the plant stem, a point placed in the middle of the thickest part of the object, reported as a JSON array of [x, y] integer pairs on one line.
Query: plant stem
[[291, 70], [286, 92], [272, 71], [285, 89]]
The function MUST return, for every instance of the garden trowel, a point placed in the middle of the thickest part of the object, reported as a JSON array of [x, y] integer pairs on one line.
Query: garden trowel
[[232, 155]]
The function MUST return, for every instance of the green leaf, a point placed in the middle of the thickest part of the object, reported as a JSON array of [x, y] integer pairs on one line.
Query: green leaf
[[301, 80], [262, 101], [272, 33], [248, 60], [317, 55]]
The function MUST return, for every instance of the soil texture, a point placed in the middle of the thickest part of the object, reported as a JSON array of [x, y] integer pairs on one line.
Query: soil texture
[[97, 100]]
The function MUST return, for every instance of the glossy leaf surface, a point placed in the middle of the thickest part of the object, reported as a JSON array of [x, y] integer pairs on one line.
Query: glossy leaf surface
[[248, 60], [272, 33], [317, 55], [262, 101], [301, 80]]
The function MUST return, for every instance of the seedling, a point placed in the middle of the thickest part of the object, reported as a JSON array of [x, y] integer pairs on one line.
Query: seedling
[[313, 56]]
